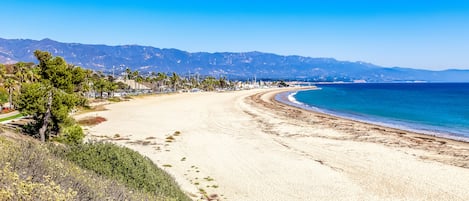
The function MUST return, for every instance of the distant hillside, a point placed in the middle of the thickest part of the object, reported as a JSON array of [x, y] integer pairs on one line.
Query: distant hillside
[[233, 65]]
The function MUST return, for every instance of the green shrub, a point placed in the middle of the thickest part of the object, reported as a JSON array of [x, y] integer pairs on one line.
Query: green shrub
[[71, 135], [33, 171], [127, 166]]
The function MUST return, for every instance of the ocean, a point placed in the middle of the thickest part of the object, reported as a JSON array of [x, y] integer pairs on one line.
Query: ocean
[[431, 108]]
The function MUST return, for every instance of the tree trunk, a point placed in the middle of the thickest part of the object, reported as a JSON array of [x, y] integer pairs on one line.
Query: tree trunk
[[45, 122], [10, 99]]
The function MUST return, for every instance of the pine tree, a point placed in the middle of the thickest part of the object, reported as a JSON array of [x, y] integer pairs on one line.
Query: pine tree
[[50, 100]]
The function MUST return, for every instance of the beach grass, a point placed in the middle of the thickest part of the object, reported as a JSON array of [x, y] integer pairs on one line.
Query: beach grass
[[114, 99]]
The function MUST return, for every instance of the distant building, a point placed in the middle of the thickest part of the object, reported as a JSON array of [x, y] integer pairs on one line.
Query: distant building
[[133, 85], [359, 81]]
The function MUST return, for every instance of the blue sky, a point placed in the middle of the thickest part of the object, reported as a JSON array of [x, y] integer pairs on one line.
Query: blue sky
[[418, 34]]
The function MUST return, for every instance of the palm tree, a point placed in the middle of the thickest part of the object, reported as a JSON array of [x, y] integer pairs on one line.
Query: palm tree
[[32, 74], [128, 74], [111, 87], [209, 83], [154, 85], [194, 82], [161, 78], [222, 82], [10, 84], [100, 85], [185, 83], [135, 75], [88, 82], [174, 79], [139, 80], [151, 79], [2, 79], [3, 72], [19, 71]]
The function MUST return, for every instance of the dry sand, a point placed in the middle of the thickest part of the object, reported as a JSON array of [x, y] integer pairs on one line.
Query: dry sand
[[245, 146]]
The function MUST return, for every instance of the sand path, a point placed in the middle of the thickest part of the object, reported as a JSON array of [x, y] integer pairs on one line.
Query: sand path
[[235, 147]]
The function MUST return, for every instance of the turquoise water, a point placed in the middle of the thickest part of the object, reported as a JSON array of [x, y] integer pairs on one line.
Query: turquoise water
[[434, 108]]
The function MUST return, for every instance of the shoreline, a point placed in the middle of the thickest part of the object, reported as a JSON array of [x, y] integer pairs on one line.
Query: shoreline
[[437, 144], [283, 97], [244, 145]]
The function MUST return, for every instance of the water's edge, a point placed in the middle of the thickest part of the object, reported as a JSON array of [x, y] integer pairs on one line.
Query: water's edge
[[288, 98]]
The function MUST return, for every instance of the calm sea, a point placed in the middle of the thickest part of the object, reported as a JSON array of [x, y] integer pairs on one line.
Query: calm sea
[[433, 108]]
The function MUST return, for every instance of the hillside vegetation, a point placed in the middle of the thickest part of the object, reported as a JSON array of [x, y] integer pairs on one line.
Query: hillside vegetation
[[30, 170]]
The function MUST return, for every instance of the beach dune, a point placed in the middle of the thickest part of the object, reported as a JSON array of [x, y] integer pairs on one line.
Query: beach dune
[[243, 145]]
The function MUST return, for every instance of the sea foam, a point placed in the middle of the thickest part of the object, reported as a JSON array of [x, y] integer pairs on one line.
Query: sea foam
[[292, 99]]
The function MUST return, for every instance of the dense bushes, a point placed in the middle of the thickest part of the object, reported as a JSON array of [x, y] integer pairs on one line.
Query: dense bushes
[[71, 135], [125, 165], [33, 171]]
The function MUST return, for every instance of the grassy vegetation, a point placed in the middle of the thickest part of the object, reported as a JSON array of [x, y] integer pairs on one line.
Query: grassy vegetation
[[114, 99], [11, 117], [33, 171], [126, 166]]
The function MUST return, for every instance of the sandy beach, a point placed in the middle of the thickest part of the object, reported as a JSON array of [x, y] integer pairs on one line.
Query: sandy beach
[[244, 145]]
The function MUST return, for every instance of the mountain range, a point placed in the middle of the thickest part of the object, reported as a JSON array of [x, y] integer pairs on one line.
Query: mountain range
[[232, 65]]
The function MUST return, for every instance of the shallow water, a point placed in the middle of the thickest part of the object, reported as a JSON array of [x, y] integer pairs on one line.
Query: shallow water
[[434, 108]]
